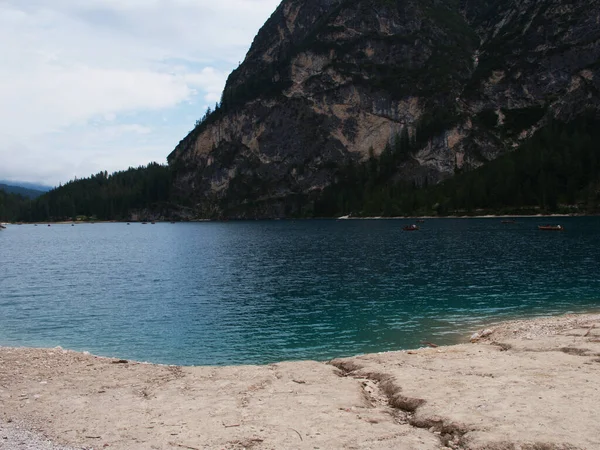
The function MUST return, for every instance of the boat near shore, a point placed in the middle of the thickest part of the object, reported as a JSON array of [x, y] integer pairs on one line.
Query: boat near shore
[[412, 227], [551, 228]]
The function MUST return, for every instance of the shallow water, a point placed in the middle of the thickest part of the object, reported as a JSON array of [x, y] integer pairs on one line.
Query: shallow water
[[258, 292]]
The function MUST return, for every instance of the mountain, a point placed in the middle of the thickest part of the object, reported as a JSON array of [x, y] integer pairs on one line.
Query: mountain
[[23, 191], [380, 108], [410, 92], [27, 185]]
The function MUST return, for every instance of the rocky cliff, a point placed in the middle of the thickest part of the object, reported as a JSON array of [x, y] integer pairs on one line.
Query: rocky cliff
[[327, 82]]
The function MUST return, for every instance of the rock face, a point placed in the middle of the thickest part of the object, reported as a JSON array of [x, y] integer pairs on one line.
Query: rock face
[[327, 82]]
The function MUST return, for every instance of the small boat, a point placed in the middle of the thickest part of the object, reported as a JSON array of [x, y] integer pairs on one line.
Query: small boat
[[153, 223], [2, 227], [509, 221], [420, 221], [412, 227], [144, 223], [551, 227]]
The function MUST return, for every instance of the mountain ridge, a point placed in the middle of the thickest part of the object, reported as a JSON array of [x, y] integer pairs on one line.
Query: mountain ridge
[[326, 83], [20, 189]]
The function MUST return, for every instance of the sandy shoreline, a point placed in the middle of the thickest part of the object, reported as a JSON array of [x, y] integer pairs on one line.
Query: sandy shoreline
[[530, 384]]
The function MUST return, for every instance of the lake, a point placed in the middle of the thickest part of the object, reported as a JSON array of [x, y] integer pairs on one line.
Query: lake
[[215, 293]]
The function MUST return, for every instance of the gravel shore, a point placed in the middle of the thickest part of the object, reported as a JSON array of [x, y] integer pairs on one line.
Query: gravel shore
[[520, 385], [18, 436]]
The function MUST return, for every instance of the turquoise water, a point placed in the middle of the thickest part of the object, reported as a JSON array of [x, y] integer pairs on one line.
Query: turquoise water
[[258, 292]]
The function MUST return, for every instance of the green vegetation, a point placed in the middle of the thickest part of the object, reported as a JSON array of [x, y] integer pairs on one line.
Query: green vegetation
[[99, 197], [517, 120], [11, 206], [557, 170], [487, 118]]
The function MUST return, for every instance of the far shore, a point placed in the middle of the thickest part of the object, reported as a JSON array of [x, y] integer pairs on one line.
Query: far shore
[[487, 216], [521, 384]]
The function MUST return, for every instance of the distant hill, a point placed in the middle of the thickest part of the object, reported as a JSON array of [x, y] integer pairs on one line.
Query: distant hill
[[19, 190], [27, 185]]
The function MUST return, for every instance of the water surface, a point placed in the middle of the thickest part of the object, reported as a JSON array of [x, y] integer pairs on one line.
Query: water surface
[[258, 292]]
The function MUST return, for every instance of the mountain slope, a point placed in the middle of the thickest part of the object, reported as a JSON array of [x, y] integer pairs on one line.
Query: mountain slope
[[19, 190], [327, 82]]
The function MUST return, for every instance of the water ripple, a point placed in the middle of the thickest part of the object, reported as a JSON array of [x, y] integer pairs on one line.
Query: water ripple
[[257, 292]]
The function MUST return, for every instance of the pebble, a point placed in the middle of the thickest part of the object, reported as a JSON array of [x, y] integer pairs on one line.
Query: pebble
[[18, 436], [481, 334]]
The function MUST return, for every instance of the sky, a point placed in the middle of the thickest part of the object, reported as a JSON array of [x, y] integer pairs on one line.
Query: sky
[[91, 85]]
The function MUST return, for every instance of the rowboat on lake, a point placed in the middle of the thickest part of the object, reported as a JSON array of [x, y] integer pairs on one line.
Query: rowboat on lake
[[550, 227]]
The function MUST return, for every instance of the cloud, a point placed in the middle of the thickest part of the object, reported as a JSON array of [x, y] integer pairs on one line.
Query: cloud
[[210, 81], [111, 72], [53, 98]]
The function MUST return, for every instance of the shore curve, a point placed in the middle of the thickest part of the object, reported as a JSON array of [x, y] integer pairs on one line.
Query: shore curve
[[524, 384]]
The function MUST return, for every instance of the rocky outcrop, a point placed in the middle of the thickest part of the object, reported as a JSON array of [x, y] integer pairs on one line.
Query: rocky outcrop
[[327, 82]]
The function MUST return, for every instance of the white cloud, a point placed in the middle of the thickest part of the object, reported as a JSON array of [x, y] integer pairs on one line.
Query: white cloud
[[210, 81], [54, 98], [75, 73]]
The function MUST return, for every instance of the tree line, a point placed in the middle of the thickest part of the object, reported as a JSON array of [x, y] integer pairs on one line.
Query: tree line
[[11, 206], [103, 196], [557, 170]]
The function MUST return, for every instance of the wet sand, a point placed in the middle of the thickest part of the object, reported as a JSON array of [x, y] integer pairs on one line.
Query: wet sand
[[524, 385]]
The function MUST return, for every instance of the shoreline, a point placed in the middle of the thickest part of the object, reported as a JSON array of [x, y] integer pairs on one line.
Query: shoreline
[[461, 335], [486, 216], [524, 383]]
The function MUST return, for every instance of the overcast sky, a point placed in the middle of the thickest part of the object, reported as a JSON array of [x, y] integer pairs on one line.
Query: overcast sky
[[90, 85]]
